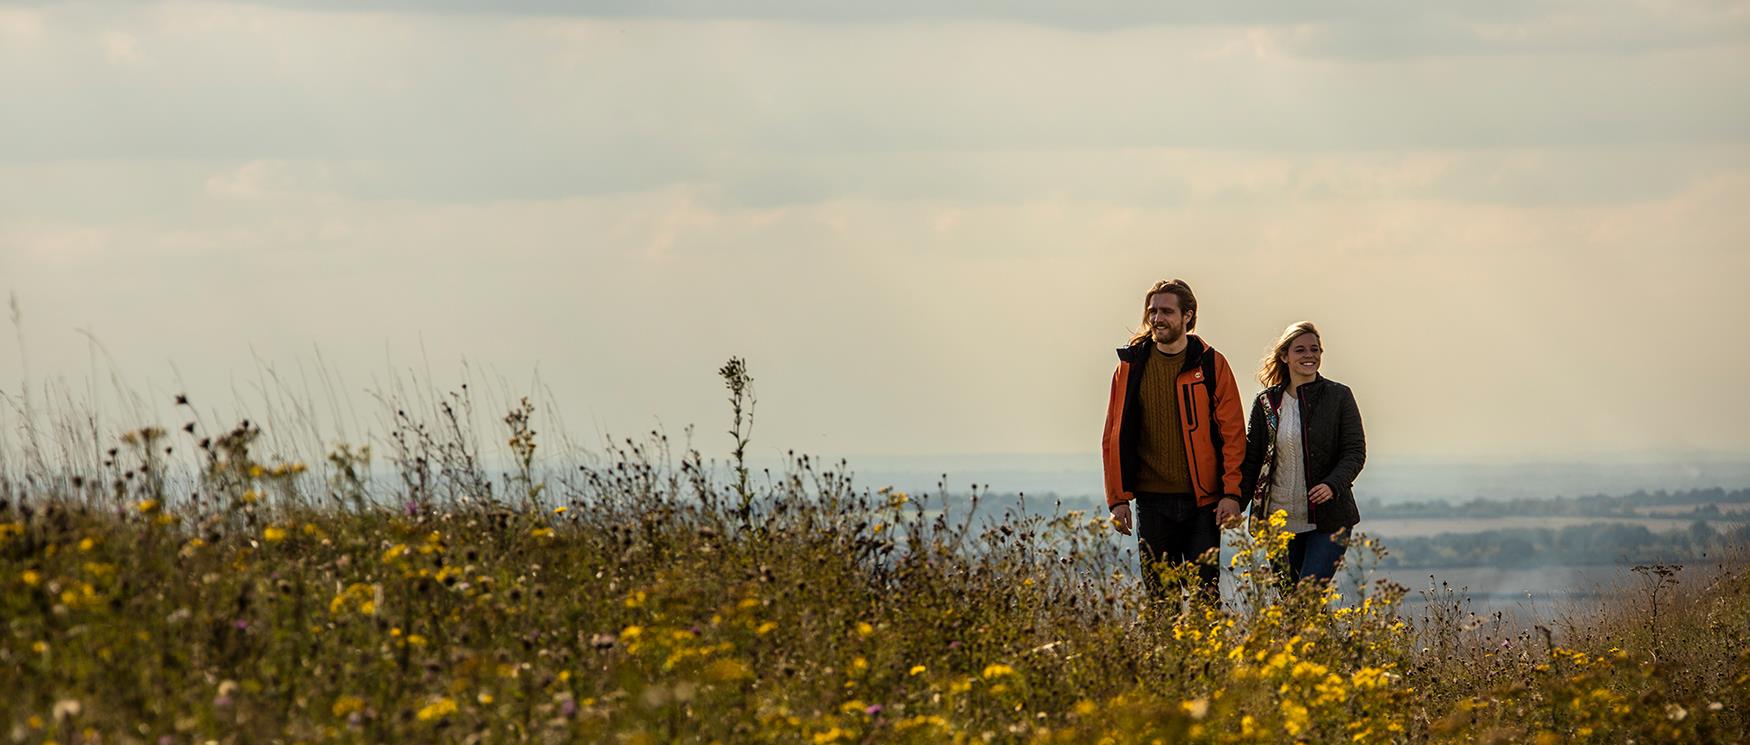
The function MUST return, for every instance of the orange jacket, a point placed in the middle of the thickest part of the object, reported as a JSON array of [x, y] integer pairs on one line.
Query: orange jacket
[[1215, 442]]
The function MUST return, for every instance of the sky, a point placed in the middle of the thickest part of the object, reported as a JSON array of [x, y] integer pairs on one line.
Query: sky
[[1522, 226]]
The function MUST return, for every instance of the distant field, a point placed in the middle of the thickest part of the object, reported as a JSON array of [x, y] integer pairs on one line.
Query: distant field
[[1731, 508], [1426, 526], [1526, 589]]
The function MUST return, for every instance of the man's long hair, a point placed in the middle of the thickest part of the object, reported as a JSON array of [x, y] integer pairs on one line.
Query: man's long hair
[[1272, 371], [1187, 306]]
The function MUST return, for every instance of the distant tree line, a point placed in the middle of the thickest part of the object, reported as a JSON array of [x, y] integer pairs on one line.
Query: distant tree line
[[1597, 543], [1706, 506]]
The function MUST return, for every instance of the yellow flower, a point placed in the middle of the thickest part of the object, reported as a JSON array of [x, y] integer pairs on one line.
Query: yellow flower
[[636, 599], [255, 470], [766, 628], [921, 720], [726, 670], [1294, 718], [1197, 707], [85, 593], [917, 670], [485, 699], [148, 506], [864, 629], [31, 577], [395, 552], [1369, 677], [273, 534], [560, 510], [86, 544], [542, 532], [995, 670], [359, 595], [437, 709], [347, 704]]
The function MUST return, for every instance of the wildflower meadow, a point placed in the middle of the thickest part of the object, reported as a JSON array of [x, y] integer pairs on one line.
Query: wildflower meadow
[[184, 585]]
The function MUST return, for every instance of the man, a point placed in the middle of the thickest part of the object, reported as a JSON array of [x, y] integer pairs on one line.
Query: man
[[1174, 440]]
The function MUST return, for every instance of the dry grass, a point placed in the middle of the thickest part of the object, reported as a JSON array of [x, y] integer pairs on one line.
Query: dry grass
[[214, 593]]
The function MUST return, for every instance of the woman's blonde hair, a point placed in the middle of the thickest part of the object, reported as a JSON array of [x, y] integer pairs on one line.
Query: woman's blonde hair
[[1272, 371]]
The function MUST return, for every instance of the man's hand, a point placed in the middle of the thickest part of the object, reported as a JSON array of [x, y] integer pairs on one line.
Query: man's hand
[[1121, 517], [1319, 494], [1227, 512]]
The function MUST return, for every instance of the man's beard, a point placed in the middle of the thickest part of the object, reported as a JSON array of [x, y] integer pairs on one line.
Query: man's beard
[[1167, 334]]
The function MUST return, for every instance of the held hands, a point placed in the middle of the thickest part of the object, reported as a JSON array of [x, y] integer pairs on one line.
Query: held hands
[[1121, 517], [1319, 494], [1227, 512]]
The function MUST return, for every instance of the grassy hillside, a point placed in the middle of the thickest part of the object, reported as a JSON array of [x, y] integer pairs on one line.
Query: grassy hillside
[[645, 598]]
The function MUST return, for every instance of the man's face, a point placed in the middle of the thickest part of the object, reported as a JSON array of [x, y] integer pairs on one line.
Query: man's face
[[1166, 323]]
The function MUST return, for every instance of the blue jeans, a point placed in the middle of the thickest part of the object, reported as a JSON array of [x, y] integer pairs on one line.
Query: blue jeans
[[1315, 554]]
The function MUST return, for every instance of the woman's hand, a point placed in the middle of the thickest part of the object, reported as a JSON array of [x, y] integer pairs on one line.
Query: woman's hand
[[1319, 494], [1227, 512]]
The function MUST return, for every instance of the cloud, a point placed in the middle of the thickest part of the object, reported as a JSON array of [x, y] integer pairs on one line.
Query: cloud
[[121, 48], [21, 23], [772, 112], [1589, 29], [1363, 29]]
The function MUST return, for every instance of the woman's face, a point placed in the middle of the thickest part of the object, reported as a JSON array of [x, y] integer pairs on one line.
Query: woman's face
[[1303, 356]]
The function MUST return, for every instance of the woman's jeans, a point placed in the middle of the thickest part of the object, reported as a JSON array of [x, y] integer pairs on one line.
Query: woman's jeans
[[1315, 554]]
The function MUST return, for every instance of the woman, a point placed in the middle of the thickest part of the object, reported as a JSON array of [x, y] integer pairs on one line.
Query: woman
[[1304, 447]]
